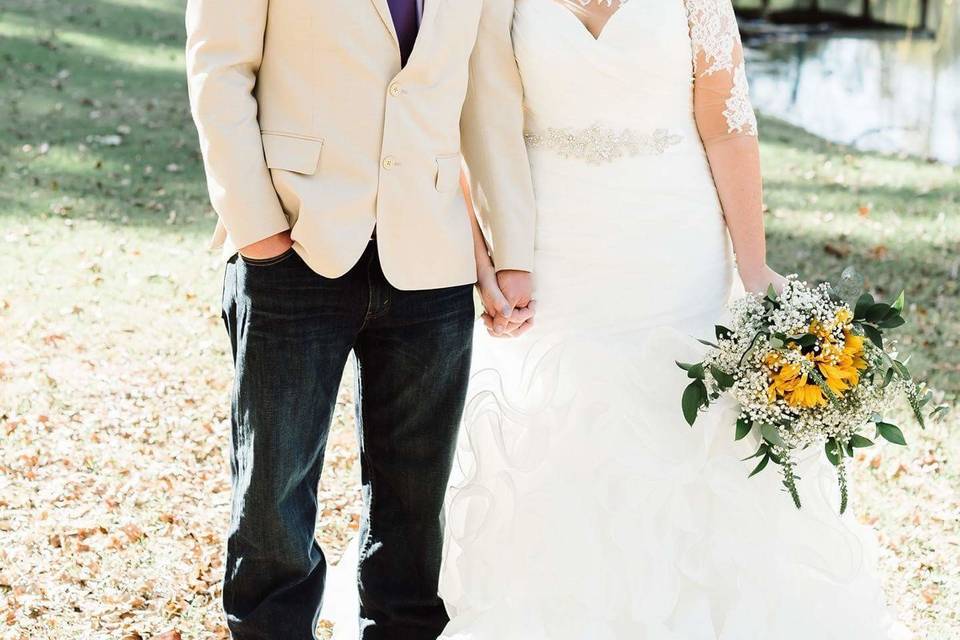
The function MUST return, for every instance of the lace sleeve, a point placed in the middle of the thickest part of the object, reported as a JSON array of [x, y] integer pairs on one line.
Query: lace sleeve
[[721, 101]]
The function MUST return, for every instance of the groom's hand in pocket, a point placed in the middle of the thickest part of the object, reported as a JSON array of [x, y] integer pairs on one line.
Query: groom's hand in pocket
[[269, 247]]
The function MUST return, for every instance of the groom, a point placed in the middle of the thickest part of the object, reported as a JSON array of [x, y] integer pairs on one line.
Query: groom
[[332, 134]]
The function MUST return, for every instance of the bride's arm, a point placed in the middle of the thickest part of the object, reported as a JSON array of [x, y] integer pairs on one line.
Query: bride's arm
[[728, 128]]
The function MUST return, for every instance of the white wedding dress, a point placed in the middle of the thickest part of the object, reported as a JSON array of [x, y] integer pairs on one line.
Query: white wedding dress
[[583, 506]]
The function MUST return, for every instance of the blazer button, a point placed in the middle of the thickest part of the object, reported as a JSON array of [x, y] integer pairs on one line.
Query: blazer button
[[395, 90], [389, 162]]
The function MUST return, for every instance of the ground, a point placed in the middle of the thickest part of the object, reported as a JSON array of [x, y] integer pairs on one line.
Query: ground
[[115, 369]]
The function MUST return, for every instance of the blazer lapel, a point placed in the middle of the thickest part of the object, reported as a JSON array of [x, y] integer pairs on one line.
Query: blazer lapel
[[384, 10]]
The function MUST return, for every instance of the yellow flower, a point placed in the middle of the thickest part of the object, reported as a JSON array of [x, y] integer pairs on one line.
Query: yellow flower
[[817, 329], [791, 383], [806, 395], [784, 380], [844, 316], [853, 346], [841, 366]]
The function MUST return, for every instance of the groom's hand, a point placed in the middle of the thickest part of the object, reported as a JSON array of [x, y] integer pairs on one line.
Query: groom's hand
[[269, 247]]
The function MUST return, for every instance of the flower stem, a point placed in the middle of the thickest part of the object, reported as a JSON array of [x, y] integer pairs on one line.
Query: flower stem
[[789, 477], [842, 481]]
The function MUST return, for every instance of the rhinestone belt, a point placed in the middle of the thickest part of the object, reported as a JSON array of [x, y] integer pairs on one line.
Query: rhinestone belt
[[598, 144]]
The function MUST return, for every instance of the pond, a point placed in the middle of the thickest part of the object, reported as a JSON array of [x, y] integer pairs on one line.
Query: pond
[[875, 91]]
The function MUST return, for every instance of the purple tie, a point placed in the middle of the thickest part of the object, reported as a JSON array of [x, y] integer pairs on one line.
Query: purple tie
[[405, 20]]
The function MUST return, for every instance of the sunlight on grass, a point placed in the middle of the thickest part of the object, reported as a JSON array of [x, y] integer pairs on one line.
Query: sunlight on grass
[[151, 56]]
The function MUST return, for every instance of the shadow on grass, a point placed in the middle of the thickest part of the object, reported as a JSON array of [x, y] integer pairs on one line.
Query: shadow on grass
[[65, 106], [896, 198], [129, 22]]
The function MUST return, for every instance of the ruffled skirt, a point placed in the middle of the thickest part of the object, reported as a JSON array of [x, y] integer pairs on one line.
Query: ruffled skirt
[[585, 508]]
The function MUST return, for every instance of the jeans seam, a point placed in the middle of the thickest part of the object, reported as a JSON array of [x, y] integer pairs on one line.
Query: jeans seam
[[370, 313]]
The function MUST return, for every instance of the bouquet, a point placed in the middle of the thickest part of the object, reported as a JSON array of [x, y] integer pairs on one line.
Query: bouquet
[[808, 369]]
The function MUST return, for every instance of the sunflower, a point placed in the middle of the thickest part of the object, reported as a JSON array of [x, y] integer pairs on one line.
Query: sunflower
[[841, 364], [791, 382]]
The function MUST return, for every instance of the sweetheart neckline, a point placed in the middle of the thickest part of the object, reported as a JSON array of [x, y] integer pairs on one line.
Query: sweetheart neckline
[[583, 27]]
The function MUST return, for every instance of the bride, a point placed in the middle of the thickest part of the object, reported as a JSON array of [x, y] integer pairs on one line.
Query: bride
[[586, 509]]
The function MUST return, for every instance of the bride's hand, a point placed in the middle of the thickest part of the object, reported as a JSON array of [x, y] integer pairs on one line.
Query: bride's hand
[[759, 280]]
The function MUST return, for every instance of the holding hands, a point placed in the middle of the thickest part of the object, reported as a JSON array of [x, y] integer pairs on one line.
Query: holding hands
[[508, 306]]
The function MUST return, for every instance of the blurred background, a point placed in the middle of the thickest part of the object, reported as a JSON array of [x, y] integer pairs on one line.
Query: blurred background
[[115, 368]]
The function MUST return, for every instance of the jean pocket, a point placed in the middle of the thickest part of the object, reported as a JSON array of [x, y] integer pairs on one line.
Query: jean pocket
[[266, 262]]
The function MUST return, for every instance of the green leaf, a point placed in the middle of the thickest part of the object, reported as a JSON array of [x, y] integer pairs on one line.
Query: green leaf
[[762, 450], [806, 340], [724, 379], [891, 433], [693, 397], [892, 322], [859, 441], [722, 332], [771, 293], [777, 342], [760, 466], [683, 365], [888, 377], [863, 303], [695, 371], [939, 412], [708, 343], [876, 337], [833, 451], [898, 303], [901, 368], [772, 435], [877, 312], [753, 342], [744, 426]]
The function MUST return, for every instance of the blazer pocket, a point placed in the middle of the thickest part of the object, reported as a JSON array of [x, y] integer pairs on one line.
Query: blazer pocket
[[291, 152], [448, 172]]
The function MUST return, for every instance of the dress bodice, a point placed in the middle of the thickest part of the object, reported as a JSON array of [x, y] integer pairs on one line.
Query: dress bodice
[[661, 72], [637, 73]]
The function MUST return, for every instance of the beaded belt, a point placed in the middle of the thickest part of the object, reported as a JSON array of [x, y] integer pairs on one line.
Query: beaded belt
[[598, 144]]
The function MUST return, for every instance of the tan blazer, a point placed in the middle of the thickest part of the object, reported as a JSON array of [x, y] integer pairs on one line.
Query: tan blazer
[[307, 122]]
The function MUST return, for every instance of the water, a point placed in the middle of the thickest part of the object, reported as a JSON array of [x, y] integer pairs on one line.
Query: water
[[877, 92]]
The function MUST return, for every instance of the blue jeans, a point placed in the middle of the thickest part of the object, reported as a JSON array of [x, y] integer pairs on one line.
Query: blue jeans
[[291, 331]]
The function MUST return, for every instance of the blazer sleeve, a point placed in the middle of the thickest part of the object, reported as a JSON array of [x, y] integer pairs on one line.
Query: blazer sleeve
[[492, 141], [224, 51]]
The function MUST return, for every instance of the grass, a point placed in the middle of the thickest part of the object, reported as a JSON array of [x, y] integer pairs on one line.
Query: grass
[[114, 367]]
